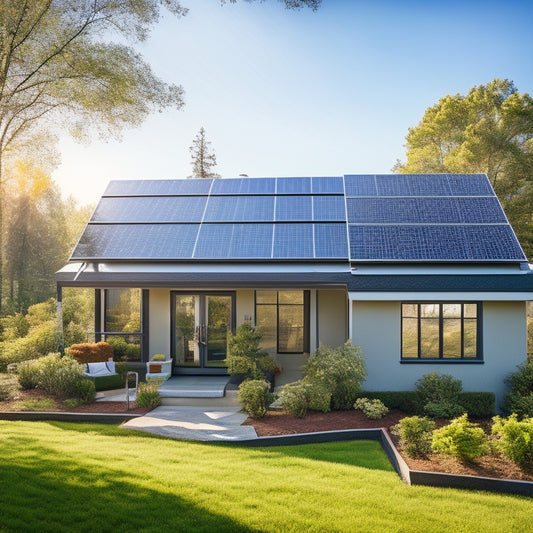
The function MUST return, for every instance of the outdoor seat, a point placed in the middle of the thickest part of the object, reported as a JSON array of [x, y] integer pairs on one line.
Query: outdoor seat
[[100, 369], [159, 368]]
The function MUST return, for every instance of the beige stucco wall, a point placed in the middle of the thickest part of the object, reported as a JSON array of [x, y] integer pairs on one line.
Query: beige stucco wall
[[376, 328], [159, 321], [332, 320]]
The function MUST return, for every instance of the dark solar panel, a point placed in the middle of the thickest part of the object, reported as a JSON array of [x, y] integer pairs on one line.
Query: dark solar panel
[[330, 241], [138, 241], [293, 241], [150, 209], [158, 187], [244, 186], [240, 209], [253, 241], [294, 208], [293, 185], [470, 185], [329, 208], [332, 185], [360, 185]]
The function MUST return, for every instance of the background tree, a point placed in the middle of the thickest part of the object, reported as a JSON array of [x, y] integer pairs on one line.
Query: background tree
[[203, 158], [490, 130]]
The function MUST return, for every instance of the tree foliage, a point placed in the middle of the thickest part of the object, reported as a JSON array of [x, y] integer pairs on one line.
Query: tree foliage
[[490, 131], [203, 158]]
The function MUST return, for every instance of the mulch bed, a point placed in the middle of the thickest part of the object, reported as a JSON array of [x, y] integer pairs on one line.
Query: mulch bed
[[496, 466]]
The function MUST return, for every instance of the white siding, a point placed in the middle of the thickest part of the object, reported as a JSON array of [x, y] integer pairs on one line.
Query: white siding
[[159, 321]]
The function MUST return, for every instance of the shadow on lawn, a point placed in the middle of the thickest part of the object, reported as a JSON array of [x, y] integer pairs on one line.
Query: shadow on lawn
[[42, 490]]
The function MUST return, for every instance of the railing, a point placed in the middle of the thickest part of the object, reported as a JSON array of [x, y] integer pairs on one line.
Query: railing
[[128, 388]]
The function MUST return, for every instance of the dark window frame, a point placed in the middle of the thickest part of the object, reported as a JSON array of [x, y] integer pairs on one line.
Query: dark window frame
[[442, 359], [306, 317]]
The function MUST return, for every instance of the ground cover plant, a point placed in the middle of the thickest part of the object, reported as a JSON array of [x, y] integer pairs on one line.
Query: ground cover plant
[[86, 477]]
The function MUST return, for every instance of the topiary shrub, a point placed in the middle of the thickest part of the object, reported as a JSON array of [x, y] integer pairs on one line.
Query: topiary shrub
[[478, 404], [293, 397], [461, 439], [254, 396], [416, 434], [515, 439], [439, 395], [519, 399], [148, 395], [373, 409], [90, 352]]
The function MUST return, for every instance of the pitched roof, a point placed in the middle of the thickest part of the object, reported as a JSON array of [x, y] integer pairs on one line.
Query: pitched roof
[[357, 218]]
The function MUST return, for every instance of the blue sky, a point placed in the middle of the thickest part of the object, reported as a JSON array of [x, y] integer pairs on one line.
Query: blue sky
[[301, 93]]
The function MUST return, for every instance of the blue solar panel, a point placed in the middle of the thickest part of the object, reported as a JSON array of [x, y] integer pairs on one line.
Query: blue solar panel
[[289, 208], [323, 185], [253, 241], [150, 209], [240, 209], [331, 241], [329, 208], [138, 241], [293, 241], [293, 185], [470, 185], [158, 187], [480, 210], [214, 241], [244, 186], [433, 243], [429, 185], [360, 185]]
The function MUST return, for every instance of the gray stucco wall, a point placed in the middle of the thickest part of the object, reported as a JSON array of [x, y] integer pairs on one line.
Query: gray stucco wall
[[376, 328]]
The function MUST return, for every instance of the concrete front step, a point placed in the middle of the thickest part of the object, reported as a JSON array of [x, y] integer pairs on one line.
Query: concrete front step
[[228, 400]]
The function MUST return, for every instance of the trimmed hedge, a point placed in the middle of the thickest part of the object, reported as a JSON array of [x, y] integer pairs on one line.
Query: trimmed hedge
[[476, 404], [108, 382], [90, 352]]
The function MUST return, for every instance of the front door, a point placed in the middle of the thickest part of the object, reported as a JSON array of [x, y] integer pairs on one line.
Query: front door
[[201, 322]]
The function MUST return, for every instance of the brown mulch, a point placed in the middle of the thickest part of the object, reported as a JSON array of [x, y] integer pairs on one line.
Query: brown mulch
[[495, 465]]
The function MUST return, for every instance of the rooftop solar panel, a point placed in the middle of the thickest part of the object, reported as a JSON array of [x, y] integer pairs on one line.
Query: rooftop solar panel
[[240, 209], [158, 187], [244, 186], [360, 185], [294, 208], [324, 185], [293, 185], [470, 185], [330, 241], [329, 208], [293, 241]]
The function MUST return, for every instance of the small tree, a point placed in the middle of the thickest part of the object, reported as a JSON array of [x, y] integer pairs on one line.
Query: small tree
[[203, 159]]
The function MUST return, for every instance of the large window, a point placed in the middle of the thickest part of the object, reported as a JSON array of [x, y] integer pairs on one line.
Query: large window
[[283, 317], [441, 331]]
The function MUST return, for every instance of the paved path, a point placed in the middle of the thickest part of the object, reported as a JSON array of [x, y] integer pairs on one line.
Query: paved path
[[195, 423]]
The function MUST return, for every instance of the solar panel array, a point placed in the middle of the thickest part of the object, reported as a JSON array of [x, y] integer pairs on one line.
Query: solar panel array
[[400, 217]]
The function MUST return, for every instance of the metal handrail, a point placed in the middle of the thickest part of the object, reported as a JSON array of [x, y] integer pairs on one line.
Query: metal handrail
[[128, 388]]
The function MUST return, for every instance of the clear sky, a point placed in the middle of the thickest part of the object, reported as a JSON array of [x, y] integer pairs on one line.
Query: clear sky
[[302, 93]]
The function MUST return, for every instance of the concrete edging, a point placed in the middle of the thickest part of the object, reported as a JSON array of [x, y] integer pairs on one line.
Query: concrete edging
[[411, 477], [61, 416]]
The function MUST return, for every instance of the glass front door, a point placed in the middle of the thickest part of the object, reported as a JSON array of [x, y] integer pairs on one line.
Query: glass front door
[[200, 332]]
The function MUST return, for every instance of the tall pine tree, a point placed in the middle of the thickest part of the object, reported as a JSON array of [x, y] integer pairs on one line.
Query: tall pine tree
[[203, 158]]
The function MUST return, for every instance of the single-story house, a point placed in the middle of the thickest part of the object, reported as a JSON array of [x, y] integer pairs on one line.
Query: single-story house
[[423, 271]]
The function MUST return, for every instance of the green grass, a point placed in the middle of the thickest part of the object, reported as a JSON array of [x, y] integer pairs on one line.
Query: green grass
[[62, 477]]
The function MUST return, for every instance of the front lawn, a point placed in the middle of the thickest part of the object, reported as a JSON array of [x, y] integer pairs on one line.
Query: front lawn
[[89, 477]]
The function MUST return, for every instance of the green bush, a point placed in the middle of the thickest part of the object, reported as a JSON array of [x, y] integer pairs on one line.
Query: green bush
[[406, 401], [14, 327], [255, 397], [415, 434], [478, 404], [108, 382], [8, 387], [516, 438], [318, 396], [373, 409], [519, 400], [148, 395], [439, 395], [28, 375], [85, 391], [344, 395], [293, 398], [443, 410], [461, 439]]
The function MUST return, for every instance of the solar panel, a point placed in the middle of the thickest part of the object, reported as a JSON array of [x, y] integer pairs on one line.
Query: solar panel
[[158, 187], [240, 209], [329, 208], [244, 186], [363, 185], [480, 210], [470, 185], [289, 208], [253, 241], [138, 241], [150, 209], [293, 185], [330, 241], [323, 185], [293, 241]]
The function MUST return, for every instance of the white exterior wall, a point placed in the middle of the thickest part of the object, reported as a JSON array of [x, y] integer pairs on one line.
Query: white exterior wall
[[377, 329], [159, 321], [332, 320]]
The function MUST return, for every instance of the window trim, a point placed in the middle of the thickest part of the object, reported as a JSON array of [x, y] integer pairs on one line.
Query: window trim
[[441, 359], [306, 318]]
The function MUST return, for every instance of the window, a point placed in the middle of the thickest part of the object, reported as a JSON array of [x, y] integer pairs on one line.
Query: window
[[283, 317], [442, 331]]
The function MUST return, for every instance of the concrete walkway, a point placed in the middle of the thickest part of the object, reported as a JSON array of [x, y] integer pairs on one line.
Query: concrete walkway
[[195, 423]]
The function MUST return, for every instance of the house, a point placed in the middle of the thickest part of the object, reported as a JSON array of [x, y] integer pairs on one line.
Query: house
[[423, 272]]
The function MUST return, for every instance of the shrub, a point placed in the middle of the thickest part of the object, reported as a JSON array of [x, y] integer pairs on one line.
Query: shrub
[[148, 396], [443, 410], [516, 438], [255, 397], [344, 395], [373, 409], [8, 387], [293, 398], [461, 439], [90, 352], [415, 434], [119, 346], [439, 395], [85, 391], [478, 404], [14, 327], [519, 400], [318, 396], [406, 401], [28, 375]]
